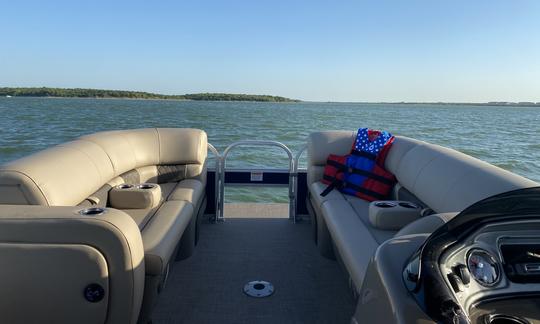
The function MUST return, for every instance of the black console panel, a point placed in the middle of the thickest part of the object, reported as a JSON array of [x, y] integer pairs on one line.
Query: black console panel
[[522, 262]]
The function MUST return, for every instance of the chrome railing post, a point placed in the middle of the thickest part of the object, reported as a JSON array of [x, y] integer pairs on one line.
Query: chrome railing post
[[217, 194], [292, 195], [221, 187], [296, 166]]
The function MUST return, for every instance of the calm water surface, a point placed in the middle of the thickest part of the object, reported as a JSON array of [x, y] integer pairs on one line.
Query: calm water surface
[[508, 137]]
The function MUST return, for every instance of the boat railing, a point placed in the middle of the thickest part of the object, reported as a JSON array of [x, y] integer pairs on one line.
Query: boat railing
[[289, 177], [295, 178], [217, 178], [255, 174]]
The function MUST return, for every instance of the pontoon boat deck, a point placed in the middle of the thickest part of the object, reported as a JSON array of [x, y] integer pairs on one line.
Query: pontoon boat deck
[[132, 226]]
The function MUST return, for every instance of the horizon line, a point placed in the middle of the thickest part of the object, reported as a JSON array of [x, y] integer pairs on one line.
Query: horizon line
[[494, 102]]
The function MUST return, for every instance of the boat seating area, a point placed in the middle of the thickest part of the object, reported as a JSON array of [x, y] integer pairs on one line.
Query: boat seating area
[[90, 230], [153, 180], [435, 181]]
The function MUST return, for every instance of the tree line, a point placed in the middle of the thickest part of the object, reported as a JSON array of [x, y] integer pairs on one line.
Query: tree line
[[98, 93]]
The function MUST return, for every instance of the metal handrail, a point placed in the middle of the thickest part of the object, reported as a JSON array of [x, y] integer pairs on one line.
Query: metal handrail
[[217, 178], [292, 205], [297, 157], [295, 186]]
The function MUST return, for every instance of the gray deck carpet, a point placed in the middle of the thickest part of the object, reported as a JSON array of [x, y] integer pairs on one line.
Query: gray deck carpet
[[207, 287]]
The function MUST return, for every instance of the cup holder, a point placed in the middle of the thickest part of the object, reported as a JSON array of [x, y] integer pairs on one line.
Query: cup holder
[[385, 204], [146, 186], [406, 204], [94, 211], [504, 319], [125, 186]]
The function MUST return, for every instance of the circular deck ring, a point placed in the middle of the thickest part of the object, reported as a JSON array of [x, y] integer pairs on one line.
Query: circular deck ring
[[259, 289]]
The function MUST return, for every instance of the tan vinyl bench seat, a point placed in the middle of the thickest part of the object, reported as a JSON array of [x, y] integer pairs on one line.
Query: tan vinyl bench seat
[[432, 176], [161, 235], [168, 219], [189, 190], [82, 172]]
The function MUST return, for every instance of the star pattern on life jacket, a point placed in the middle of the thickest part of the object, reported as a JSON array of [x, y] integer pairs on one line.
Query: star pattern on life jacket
[[363, 143]]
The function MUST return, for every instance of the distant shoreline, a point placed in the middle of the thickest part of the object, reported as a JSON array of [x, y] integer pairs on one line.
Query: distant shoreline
[[149, 99], [80, 93], [45, 92], [93, 98]]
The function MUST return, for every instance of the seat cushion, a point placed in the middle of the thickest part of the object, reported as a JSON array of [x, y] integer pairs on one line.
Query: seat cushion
[[352, 239], [141, 216], [347, 219], [189, 190], [161, 228], [361, 208], [315, 190], [162, 234]]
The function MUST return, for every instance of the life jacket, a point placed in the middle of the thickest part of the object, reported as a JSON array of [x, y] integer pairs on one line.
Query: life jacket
[[361, 173]]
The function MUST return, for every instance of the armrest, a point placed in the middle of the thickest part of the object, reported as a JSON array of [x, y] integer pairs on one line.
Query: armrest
[[59, 266], [393, 215], [141, 196]]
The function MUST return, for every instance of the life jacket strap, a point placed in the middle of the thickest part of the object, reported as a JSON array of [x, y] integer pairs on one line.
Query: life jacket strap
[[337, 165], [373, 176], [344, 168], [337, 183], [334, 183], [364, 191], [328, 189]]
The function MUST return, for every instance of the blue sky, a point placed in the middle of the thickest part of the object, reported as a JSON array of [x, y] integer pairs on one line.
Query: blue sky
[[482, 50]]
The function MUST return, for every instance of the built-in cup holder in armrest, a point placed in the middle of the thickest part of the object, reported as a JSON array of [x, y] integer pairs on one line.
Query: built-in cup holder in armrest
[[141, 196], [146, 186], [385, 204], [410, 205], [94, 211], [393, 215]]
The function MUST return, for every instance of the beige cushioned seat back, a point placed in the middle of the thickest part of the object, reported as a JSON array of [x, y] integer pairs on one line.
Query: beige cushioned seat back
[[400, 148], [449, 181], [58, 176], [191, 153], [66, 174], [322, 144], [128, 149]]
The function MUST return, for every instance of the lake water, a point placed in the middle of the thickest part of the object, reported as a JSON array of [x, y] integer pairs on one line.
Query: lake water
[[508, 137]]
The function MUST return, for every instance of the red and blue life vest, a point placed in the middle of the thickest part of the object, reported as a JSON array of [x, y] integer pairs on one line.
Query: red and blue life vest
[[362, 173]]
